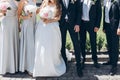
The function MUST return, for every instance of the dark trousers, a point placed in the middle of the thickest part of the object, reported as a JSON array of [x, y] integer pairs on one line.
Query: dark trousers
[[83, 29], [75, 40], [112, 44]]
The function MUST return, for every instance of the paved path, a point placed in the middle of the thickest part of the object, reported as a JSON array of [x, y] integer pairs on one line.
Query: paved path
[[90, 73]]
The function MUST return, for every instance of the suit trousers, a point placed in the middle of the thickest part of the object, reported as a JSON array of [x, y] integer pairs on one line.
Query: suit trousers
[[83, 29], [75, 39], [112, 44]]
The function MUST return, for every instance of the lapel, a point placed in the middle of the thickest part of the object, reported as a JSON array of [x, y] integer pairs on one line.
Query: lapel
[[64, 4], [110, 12], [69, 3]]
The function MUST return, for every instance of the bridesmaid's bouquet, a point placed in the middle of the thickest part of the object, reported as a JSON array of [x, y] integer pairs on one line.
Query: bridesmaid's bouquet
[[31, 8], [4, 6], [46, 14]]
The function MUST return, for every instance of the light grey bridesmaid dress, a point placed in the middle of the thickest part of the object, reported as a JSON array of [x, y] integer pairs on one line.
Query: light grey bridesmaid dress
[[9, 40], [27, 42]]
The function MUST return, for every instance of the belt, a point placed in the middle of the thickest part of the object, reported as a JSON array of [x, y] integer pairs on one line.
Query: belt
[[85, 21]]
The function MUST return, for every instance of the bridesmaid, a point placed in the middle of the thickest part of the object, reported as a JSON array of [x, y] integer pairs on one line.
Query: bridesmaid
[[27, 36], [9, 39]]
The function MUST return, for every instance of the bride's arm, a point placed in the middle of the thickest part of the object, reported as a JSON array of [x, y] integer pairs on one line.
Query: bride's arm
[[57, 18], [19, 12], [38, 10], [2, 13]]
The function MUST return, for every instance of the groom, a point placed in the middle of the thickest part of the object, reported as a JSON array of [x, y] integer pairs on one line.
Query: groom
[[70, 20]]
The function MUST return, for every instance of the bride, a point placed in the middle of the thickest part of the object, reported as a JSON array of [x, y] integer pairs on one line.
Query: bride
[[48, 59]]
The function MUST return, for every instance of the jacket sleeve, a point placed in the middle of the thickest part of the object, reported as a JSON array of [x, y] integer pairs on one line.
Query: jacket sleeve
[[78, 12], [104, 18], [119, 12], [99, 13]]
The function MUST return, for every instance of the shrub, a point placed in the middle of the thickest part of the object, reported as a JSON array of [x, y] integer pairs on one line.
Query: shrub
[[88, 47], [100, 42], [69, 44]]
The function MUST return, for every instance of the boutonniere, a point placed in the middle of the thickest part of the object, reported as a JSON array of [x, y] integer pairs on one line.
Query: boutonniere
[[93, 2], [73, 1]]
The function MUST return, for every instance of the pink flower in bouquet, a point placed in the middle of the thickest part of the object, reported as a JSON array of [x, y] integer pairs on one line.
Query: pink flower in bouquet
[[3, 7], [46, 15]]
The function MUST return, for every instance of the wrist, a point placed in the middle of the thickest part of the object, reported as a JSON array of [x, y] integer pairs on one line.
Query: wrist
[[28, 16]]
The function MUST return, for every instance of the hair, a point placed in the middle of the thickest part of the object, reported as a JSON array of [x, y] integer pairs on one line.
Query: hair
[[57, 4], [17, 0], [58, 8]]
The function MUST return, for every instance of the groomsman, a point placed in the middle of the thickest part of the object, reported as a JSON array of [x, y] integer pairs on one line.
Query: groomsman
[[91, 18], [110, 27], [70, 20]]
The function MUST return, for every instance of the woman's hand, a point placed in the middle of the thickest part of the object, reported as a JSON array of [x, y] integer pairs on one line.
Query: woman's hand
[[50, 20], [19, 29], [47, 21], [3, 12], [29, 14]]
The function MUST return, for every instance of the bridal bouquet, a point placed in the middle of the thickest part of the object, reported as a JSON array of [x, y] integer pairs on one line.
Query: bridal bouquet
[[4, 6], [31, 8], [46, 14]]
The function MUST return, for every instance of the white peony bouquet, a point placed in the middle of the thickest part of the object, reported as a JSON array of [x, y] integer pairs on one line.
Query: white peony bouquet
[[46, 14], [4, 6], [31, 8]]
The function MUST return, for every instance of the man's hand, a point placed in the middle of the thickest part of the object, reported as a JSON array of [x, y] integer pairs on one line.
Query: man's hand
[[118, 31], [104, 30], [77, 28], [96, 29]]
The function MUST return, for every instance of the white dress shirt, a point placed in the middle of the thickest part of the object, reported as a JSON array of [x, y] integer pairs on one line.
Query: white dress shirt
[[66, 3], [107, 9], [86, 8]]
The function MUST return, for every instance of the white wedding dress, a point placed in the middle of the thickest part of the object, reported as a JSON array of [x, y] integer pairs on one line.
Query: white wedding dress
[[9, 40], [27, 52], [48, 59]]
